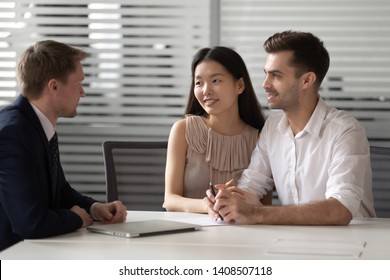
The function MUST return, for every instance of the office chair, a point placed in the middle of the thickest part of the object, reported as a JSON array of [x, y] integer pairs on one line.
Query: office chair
[[380, 164], [135, 173]]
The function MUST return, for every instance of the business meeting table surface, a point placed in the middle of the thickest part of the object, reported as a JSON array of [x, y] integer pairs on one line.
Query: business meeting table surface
[[367, 238]]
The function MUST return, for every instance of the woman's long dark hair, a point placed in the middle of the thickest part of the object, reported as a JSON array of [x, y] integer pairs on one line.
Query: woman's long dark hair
[[248, 105]]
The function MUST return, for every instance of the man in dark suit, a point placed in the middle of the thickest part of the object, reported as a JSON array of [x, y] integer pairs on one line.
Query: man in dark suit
[[36, 201]]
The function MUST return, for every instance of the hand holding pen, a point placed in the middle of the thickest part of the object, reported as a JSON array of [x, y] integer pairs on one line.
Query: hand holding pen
[[212, 190], [212, 200]]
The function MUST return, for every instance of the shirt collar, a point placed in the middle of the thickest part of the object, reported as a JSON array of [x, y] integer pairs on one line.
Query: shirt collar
[[46, 124], [314, 124]]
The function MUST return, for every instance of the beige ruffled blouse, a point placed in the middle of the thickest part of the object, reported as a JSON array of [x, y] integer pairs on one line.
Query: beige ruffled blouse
[[213, 157]]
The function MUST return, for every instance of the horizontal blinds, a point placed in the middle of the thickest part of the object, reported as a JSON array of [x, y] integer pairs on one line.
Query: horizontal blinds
[[137, 77], [356, 34]]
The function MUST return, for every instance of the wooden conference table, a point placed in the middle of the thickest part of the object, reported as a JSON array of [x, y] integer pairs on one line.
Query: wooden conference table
[[362, 239]]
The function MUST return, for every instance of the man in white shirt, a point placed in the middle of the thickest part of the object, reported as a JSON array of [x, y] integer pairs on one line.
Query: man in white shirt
[[315, 156]]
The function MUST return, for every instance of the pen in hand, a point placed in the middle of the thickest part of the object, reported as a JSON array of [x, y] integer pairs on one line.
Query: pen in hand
[[211, 187]]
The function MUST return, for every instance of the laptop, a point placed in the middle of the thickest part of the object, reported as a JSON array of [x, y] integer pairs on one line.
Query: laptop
[[143, 228]]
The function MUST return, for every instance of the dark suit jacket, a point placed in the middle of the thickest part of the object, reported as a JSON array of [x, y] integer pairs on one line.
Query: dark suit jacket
[[28, 206]]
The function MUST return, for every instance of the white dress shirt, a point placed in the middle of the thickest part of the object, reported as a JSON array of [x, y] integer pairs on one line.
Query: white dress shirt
[[46, 124], [330, 157]]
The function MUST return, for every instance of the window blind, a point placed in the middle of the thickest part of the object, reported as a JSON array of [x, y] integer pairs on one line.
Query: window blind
[[356, 34], [136, 80]]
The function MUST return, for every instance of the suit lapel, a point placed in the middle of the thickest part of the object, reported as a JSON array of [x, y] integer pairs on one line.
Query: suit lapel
[[27, 109]]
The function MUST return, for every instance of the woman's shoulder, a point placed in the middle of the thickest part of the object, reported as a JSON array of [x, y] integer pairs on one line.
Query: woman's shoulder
[[196, 132], [194, 119], [195, 124], [178, 127]]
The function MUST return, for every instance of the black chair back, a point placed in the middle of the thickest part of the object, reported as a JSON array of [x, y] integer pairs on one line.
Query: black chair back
[[135, 173]]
